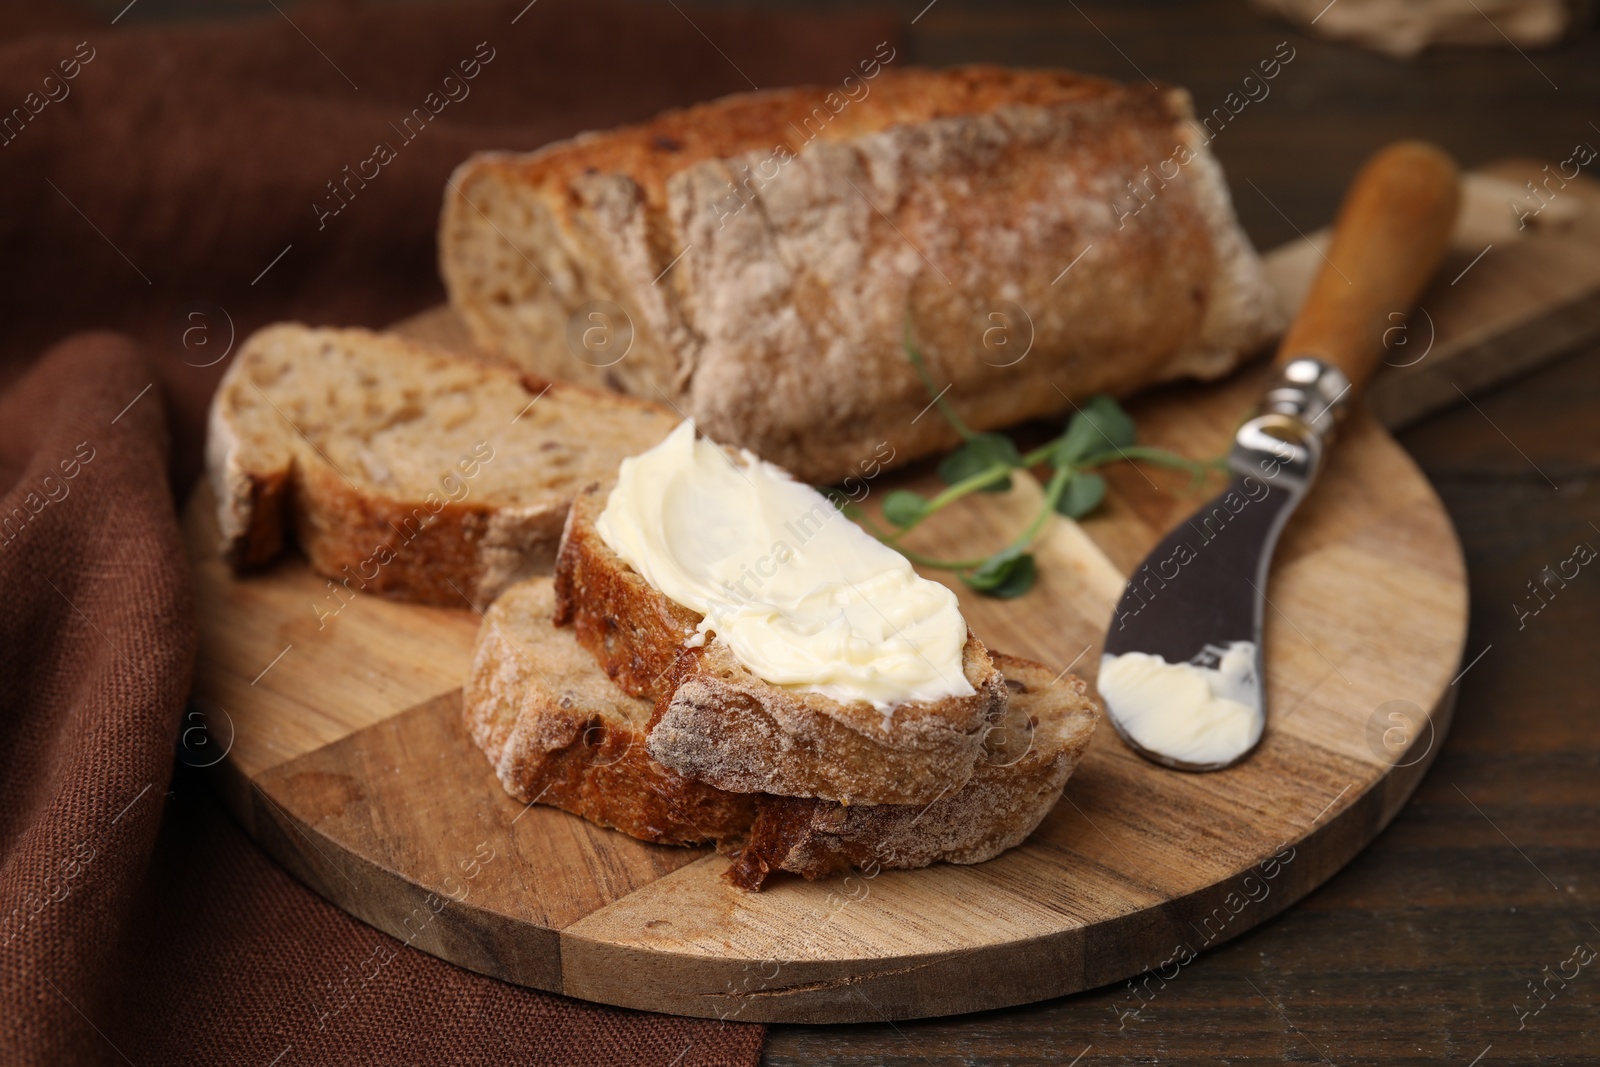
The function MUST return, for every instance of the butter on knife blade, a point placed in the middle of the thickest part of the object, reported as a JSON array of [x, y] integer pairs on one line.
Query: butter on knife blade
[[1196, 713]]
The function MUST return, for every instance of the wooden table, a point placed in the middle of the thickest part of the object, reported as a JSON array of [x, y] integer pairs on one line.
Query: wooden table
[[1422, 949]]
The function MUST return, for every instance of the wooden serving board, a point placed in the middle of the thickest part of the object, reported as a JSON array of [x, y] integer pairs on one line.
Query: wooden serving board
[[347, 759], [349, 763]]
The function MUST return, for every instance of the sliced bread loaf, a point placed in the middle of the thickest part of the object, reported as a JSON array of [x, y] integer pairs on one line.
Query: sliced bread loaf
[[719, 723], [757, 258], [557, 731], [404, 469]]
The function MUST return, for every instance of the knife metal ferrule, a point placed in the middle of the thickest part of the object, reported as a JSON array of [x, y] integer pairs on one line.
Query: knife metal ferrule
[[1311, 390], [1284, 444]]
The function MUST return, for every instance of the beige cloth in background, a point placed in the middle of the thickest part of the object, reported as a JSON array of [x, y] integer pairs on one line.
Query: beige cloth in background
[[1404, 28]]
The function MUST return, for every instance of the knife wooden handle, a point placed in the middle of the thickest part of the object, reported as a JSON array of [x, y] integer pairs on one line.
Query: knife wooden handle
[[1391, 234]]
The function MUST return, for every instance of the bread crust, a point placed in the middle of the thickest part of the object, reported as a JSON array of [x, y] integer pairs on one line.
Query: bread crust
[[557, 731], [634, 633], [253, 501], [724, 725], [1050, 721], [270, 480], [446, 559], [773, 311], [717, 722]]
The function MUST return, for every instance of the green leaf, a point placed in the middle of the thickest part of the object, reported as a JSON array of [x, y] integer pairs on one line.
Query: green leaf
[[1006, 574], [1079, 441], [981, 452], [1081, 495], [904, 508], [1115, 423], [1100, 425]]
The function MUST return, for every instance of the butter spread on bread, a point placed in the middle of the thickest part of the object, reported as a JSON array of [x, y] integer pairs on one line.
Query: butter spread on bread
[[802, 597]]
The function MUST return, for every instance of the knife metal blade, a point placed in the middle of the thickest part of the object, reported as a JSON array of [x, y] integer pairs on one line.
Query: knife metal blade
[[1198, 599]]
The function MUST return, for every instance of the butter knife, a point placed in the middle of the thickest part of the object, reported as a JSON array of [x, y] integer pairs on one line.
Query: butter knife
[[1182, 666]]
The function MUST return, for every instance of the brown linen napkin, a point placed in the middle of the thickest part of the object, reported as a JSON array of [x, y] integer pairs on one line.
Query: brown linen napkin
[[184, 187], [168, 188]]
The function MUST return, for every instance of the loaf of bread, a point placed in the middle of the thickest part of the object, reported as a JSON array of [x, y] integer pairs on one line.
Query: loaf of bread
[[558, 731], [757, 262], [404, 469], [718, 723]]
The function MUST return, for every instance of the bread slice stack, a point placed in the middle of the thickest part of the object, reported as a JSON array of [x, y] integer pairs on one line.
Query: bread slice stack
[[402, 468], [589, 693], [558, 731]]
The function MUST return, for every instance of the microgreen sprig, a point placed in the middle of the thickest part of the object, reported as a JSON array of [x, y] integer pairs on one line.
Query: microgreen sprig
[[1098, 434]]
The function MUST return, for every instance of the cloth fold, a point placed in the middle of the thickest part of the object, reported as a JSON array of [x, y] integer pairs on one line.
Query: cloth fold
[[185, 186], [96, 652]]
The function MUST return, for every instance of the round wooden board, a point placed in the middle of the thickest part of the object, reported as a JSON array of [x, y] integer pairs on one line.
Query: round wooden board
[[347, 759]]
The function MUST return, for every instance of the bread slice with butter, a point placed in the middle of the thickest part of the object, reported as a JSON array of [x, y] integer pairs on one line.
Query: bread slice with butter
[[720, 723], [402, 468], [558, 731]]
